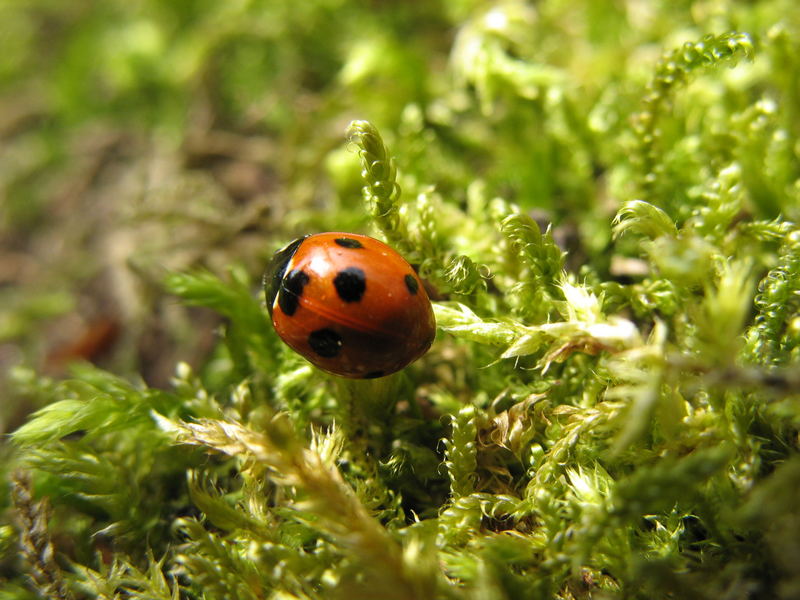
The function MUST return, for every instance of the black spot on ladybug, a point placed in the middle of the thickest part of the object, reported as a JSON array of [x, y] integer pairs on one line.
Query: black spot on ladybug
[[350, 284], [348, 243], [373, 375], [412, 284], [291, 289], [325, 342]]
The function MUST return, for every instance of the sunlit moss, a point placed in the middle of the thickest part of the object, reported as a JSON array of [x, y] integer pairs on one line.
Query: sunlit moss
[[602, 198]]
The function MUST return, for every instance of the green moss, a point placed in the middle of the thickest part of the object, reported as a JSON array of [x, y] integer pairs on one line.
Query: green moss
[[602, 198]]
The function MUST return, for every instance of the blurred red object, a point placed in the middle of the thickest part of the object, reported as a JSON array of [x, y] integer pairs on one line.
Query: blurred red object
[[92, 343]]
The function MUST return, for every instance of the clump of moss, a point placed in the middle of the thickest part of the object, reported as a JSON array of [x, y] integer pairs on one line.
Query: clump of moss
[[610, 408]]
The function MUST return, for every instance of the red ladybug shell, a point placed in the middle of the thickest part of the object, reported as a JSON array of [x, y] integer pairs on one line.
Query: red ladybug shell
[[349, 304]]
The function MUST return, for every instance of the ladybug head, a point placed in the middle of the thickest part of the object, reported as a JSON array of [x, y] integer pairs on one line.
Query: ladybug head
[[276, 269]]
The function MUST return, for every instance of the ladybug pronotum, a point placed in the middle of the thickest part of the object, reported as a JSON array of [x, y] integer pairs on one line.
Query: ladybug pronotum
[[349, 304]]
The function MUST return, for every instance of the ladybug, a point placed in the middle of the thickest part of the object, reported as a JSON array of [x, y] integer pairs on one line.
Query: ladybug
[[349, 304]]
